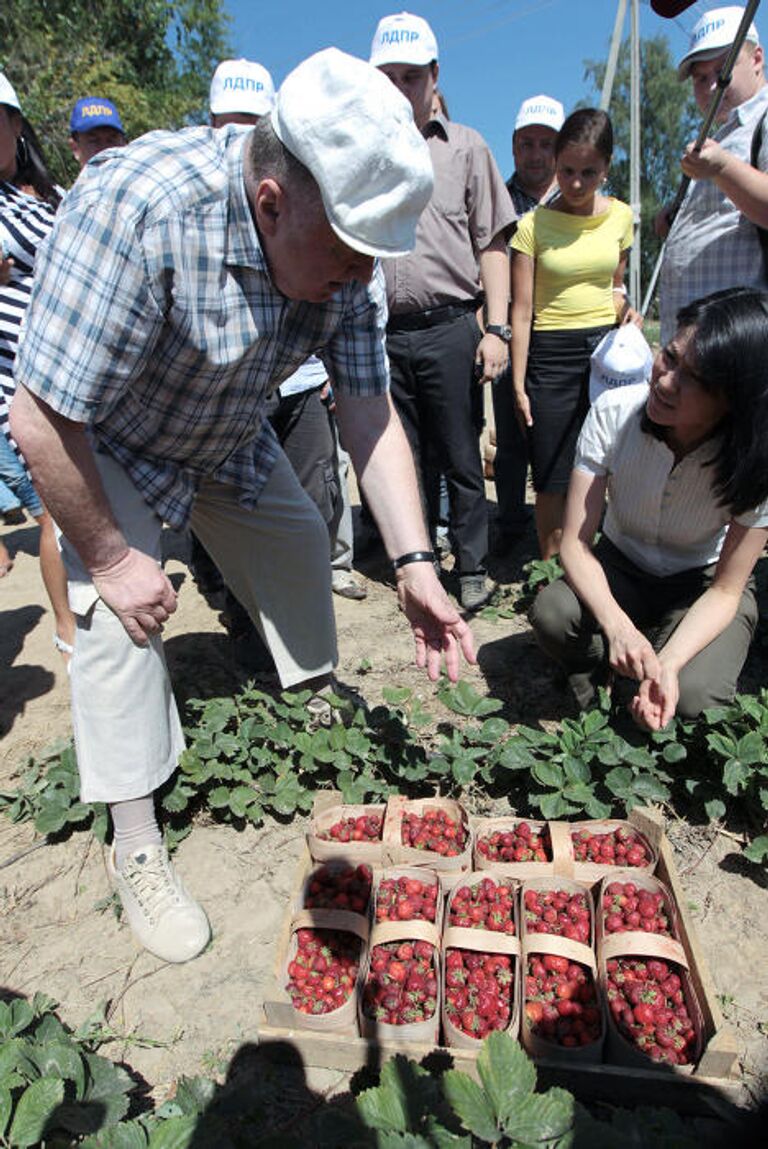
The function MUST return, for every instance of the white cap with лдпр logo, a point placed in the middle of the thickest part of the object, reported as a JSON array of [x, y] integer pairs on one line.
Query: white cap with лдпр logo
[[241, 86], [403, 39], [622, 357], [712, 35]]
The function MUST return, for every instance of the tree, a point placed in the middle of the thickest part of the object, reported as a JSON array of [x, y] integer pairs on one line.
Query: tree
[[153, 58], [669, 120]]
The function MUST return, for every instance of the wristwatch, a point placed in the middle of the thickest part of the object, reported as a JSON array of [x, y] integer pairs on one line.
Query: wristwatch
[[503, 330]]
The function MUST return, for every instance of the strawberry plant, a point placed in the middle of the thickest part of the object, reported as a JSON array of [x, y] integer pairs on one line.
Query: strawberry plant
[[647, 1004], [561, 1003]]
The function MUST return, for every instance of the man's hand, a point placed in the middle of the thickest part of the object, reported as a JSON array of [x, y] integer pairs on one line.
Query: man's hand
[[491, 357], [631, 654], [655, 703], [136, 590], [438, 628], [706, 164]]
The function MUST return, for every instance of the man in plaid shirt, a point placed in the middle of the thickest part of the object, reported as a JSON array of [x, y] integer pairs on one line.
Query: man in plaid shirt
[[187, 276]]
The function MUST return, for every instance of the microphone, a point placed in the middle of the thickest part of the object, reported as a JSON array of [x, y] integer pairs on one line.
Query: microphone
[[670, 8]]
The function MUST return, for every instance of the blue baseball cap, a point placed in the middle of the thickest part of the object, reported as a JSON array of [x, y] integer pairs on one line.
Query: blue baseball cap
[[95, 112]]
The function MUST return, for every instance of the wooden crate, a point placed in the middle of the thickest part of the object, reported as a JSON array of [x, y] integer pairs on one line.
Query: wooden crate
[[711, 1087]]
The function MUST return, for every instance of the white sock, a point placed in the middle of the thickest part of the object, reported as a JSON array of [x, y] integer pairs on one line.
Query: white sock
[[135, 825]]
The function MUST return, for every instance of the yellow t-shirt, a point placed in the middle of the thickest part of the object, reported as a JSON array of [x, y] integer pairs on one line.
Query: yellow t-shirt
[[575, 257]]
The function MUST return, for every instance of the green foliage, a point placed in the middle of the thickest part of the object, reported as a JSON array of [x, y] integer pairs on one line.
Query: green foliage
[[154, 58], [251, 756], [669, 121]]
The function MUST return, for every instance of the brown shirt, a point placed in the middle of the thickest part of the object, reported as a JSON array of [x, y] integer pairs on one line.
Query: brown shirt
[[469, 207]]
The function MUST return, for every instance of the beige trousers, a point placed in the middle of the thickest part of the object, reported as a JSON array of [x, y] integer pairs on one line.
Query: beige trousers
[[275, 559]]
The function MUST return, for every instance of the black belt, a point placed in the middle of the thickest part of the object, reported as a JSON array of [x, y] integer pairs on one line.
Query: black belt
[[432, 317]]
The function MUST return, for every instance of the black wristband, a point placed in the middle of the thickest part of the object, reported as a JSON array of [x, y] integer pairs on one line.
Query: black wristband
[[413, 557]]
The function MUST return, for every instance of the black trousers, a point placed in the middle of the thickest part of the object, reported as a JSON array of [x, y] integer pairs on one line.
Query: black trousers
[[440, 404]]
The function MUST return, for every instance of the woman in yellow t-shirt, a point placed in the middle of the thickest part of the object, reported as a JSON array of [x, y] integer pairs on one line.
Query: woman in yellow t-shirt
[[568, 264]]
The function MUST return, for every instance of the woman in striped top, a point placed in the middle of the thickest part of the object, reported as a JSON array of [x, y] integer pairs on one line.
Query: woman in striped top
[[666, 595], [28, 201]]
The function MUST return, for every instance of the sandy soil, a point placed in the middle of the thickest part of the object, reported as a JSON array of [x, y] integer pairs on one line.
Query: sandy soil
[[58, 937]]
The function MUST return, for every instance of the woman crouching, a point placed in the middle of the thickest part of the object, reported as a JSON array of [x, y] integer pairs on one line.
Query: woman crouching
[[666, 595]]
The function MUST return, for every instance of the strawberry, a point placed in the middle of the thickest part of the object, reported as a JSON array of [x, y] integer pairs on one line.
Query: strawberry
[[558, 912], [481, 998], [518, 843], [619, 847], [627, 908], [322, 974], [488, 905], [364, 828], [339, 888], [434, 829], [646, 1002], [561, 1001], [401, 989], [407, 899]]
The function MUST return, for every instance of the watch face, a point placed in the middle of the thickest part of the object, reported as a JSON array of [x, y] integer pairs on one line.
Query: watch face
[[503, 330]]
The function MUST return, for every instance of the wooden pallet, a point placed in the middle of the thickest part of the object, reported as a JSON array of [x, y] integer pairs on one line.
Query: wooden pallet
[[710, 1088]]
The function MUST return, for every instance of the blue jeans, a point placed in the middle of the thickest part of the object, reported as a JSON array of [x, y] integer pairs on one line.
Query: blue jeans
[[14, 477]]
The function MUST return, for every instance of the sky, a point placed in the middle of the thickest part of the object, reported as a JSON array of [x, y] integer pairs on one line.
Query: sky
[[492, 53]]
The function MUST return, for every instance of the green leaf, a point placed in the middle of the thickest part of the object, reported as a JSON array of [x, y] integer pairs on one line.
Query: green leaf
[[593, 721], [240, 798], [464, 699], [597, 809], [6, 1104], [396, 695], [619, 781], [735, 775], [36, 1106], [463, 770], [650, 789], [608, 754], [548, 774], [471, 1105], [176, 1133], [51, 819], [636, 756], [194, 1094], [506, 1072], [21, 1015], [576, 769], [515, 755], [554, 806], [715, 809], [543, 1118], [59, 1059], [492, 731], [757, 850], [578, 792], [108, 1085], [127, 1135], [674, 752], [752, 749], [722, 744]]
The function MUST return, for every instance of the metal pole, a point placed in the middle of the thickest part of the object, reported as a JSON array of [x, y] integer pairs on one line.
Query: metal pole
[[613, 56], [634, 155], [723, 80]]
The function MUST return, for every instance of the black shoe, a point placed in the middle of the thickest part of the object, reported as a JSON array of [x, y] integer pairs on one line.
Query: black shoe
[[15, 517], [476, 591]]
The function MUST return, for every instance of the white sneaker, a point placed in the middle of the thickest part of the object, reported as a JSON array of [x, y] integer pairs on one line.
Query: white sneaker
[[163, 916]]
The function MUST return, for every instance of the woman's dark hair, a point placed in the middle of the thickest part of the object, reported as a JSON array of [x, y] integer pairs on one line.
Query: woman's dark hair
[[728, 348], [31, 168], [589, 126]]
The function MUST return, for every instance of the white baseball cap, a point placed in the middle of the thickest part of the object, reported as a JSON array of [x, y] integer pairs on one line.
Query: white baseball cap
[[403, 39], [541, 110], [241, 86], [7, 94], [354, 131], [623, 356], [712, 35]]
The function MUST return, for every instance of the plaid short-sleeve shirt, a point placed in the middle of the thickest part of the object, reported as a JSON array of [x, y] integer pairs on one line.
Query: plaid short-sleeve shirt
[[154, 320]]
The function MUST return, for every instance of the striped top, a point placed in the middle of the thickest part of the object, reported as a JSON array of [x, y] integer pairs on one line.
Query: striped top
[[155, 321], [24, 223], [662, 516]]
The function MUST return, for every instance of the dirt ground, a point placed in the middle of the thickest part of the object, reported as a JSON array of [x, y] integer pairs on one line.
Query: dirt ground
[[57, 937]]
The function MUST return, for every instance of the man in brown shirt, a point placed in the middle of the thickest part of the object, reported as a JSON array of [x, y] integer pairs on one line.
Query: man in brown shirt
[[438, 357]]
